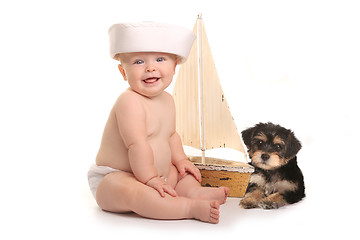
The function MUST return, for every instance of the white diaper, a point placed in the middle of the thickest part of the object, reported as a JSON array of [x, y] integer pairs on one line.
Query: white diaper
[[96, 174]]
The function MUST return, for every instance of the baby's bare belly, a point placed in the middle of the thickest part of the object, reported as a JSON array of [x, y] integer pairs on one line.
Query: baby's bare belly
[[116, 156]]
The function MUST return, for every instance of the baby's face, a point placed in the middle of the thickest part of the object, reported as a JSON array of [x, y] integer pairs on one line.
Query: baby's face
[[148, 73]]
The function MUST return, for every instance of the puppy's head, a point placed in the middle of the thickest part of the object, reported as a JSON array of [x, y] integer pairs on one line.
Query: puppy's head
[[270, 146]]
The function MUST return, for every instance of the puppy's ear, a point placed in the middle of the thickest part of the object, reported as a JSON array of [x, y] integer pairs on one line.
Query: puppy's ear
[[247, 135], [293, 146]]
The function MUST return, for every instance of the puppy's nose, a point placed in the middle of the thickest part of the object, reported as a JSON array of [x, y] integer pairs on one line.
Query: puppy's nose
[[265, 156]]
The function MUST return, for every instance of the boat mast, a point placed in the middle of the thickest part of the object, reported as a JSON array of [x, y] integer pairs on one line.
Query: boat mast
[[201, 86]]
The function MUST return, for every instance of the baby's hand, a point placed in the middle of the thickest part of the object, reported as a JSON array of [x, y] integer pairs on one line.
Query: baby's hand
[[185, 165], [161, 186]]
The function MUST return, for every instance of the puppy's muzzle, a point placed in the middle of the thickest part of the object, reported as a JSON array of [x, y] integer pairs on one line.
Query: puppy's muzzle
[[265, 157]]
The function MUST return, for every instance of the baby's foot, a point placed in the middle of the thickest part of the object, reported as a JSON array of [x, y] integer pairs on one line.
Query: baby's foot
[[210, 193], [206, 211]]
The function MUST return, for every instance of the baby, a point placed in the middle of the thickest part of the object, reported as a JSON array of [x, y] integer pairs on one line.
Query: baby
[[141, 166]]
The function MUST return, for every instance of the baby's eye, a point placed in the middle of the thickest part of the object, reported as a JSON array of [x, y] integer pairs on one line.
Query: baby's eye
[[160, 59], [138, 62]]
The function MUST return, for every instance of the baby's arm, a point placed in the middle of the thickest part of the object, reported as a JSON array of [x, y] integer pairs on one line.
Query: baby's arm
[[130, 115], [180, 160]]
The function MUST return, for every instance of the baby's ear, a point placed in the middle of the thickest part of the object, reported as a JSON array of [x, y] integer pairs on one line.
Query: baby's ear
[[247, 135], [122, 71], [176, 63], [293, 146]]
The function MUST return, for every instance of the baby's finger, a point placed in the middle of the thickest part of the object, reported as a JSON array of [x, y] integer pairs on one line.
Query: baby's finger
[[170, 191], [182, 171], [161, 191], [196, 173]]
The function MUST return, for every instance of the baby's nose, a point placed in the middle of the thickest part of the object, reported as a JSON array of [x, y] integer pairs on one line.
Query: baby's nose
[[150, 69]]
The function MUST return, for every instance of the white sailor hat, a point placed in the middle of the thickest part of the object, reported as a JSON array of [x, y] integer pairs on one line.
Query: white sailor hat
[[150, 37]]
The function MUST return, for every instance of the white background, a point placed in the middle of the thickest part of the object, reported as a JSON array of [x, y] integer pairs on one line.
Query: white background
[[295, 63]]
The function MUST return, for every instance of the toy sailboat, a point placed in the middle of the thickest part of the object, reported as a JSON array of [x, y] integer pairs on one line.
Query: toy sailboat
[[204, 121]]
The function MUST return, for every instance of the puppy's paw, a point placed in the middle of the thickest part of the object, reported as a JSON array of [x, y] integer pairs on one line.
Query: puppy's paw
[[249, 203], [268, 204]]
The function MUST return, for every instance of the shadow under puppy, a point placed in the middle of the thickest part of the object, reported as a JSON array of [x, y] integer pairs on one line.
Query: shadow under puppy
[[277, 179]]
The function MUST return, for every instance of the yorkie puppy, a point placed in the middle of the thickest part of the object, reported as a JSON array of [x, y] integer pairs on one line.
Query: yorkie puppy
[[277, 179]]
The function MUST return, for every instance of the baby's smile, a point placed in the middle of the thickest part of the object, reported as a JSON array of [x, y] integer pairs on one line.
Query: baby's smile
[[151, 80]]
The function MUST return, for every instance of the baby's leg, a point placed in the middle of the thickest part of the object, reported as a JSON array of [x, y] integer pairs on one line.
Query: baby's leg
[[121, 192], [191, 188]]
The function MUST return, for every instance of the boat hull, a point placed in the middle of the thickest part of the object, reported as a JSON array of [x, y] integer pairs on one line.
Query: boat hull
[[218, 172]]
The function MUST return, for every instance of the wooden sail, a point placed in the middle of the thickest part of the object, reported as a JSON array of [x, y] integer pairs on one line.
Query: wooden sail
[[203, 118]]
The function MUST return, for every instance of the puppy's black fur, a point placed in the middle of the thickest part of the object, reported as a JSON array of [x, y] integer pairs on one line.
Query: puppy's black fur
[[277, 180]]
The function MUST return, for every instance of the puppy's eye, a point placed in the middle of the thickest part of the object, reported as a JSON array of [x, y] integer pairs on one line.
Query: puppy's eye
[[278, 147], [260, 142]]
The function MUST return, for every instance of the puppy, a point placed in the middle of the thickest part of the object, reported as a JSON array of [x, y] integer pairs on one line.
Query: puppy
[[277, 179]]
